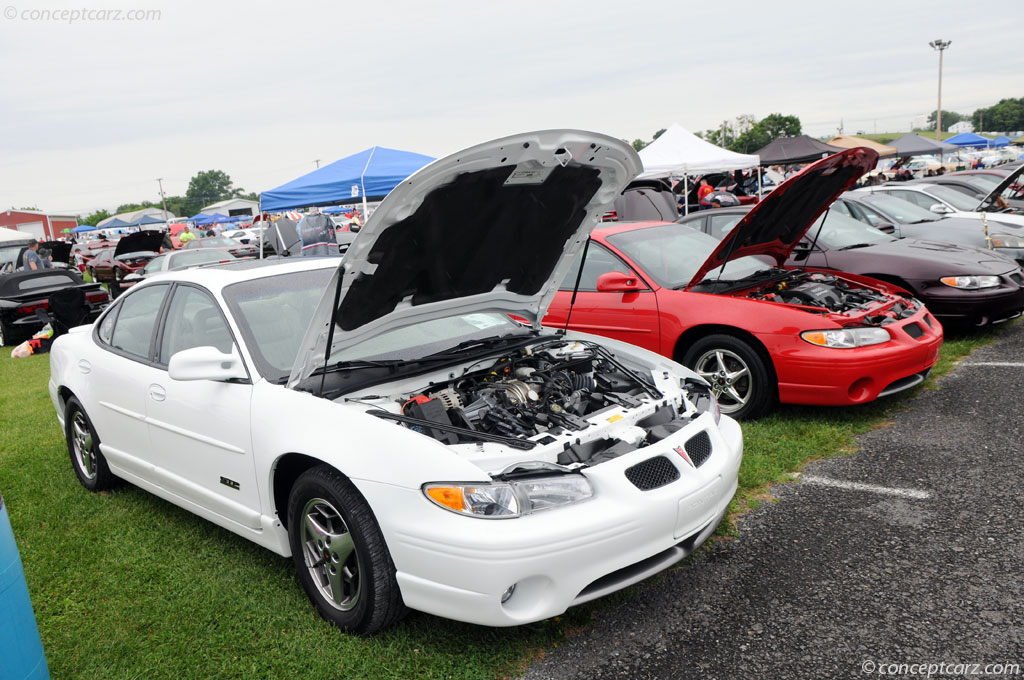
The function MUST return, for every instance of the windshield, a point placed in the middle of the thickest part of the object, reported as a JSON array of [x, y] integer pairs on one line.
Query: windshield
[[216, 242], [672, 253], [840, 232], [957, 199], [273, 313], [188, 258], [429, 337], [899, 210]]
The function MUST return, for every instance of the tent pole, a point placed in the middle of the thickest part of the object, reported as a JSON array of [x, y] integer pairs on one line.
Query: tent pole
[[686, 194], [264, 228], [758, 171]]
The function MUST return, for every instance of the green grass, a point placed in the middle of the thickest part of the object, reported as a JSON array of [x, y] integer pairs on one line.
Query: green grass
[[126, 585]]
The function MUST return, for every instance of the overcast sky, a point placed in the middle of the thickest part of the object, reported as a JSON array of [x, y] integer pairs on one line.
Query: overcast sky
[[93, 111]]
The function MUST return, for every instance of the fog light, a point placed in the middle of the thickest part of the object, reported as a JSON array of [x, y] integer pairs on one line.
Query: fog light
[[508, 593]]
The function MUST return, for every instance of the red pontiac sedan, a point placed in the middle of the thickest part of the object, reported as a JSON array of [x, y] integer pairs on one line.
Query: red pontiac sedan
[[759, 332]]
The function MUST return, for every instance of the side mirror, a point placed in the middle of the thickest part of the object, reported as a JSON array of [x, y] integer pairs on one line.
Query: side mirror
[[940, 209], [206, 363], [887, 227], [617, 282]]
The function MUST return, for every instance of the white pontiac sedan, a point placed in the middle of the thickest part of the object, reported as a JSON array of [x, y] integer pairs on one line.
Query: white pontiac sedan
[[387, 425]]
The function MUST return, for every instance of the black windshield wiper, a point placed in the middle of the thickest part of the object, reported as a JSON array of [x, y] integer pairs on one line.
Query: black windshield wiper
[[857, 245], [359, 363], [481, 343]]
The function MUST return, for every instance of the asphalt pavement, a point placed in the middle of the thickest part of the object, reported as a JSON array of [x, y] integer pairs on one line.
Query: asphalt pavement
[[908, 552]]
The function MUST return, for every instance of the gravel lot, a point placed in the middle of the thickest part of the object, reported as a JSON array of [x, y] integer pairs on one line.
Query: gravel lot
[[838, 582]]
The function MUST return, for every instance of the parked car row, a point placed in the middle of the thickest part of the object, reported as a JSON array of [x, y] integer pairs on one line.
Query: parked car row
[[503, 413]]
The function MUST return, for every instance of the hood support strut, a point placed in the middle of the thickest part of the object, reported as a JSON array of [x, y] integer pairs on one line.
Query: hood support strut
[[330, 333]]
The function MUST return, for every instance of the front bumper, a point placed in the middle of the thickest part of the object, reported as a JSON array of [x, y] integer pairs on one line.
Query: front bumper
[[841, 377], [458, 567], [975, 307]]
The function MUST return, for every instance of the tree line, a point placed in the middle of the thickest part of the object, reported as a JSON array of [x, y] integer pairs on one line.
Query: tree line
[[746, 134], [205, 187], [1006, 116]]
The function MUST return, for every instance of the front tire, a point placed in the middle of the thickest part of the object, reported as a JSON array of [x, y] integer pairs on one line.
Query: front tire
[[84, 448], [340, 555], [738, 374]]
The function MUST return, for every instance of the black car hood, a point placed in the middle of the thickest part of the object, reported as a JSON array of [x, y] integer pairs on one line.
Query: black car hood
[[776, 224], [926, 259], [988, 203], [147, 241]]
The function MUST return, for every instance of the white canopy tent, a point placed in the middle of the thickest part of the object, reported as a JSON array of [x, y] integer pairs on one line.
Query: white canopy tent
[[679, 153], [14, 235]]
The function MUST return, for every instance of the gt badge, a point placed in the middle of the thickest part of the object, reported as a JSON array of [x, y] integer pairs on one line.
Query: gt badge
[[682, 452], [236, 486]]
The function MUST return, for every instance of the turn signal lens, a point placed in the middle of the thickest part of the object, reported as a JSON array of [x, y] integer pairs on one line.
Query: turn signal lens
[[448, 496], [970, 282]]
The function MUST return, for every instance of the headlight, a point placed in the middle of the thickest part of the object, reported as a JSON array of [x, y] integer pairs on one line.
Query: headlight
[[970, 282], [505, 500], [699, 393], [1006, 241], [847, 338]]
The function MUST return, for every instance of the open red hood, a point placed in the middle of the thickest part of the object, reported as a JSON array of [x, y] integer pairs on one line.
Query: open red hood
[[781, 219]]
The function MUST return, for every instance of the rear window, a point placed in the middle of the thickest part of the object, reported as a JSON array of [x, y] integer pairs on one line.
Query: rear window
[[47, 281]]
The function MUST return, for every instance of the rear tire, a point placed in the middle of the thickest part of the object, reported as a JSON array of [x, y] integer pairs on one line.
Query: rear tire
[[6, 335], [739, 375], [340, 555], [84, 448]]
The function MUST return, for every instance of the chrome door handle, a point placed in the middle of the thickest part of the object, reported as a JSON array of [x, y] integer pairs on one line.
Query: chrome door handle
[[157, 393]]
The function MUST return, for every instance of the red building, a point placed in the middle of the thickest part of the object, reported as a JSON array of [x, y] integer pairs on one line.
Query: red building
[[40, 225]]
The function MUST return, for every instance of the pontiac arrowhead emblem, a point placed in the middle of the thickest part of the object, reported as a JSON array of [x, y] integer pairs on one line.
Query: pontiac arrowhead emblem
[[682, 452]]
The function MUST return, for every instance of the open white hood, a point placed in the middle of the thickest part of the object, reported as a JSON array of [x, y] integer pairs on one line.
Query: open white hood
[[491, 228]]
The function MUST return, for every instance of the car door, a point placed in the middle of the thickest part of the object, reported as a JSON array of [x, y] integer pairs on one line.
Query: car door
[[199, 430], [118, 372], [628, 316]]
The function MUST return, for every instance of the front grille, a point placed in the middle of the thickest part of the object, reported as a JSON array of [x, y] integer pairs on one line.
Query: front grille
[[914, 330], [652, 473], [1017, 278], [699, 448]]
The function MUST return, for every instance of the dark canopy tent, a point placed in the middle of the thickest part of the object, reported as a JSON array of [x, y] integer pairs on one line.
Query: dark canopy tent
[[367, 175], [916, 145], [787, 150], [115, 223]]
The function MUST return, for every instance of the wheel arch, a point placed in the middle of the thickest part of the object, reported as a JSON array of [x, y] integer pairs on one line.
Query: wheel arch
[[695, 333], [286, 470]]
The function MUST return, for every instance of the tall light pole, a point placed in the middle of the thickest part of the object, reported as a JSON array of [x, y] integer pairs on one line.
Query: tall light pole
[[163, 199], [940, 46]]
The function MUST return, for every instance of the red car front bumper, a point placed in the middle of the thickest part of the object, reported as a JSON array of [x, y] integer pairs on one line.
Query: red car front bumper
[[809, 374]]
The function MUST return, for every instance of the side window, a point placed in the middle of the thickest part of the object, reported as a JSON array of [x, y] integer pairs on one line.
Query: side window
[[723, 224], [599, 261], [106, 328], [922, 200], [154, 265], [869, 215], [133, 329], [193, 320]]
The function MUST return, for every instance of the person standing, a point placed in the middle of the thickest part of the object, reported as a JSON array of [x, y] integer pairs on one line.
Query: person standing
[[31, 260], [186, 236], [702, 193]]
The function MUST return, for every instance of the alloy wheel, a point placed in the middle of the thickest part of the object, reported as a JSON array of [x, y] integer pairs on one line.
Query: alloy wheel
[[81, 440], [330, 554], [729, 377]]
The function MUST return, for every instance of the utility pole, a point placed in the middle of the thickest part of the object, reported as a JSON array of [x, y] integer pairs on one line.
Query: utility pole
[[940, 46], [163, 199], [317, 161]]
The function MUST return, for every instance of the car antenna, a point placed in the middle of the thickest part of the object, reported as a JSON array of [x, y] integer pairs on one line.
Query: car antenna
[[576, 286], [330, 334]]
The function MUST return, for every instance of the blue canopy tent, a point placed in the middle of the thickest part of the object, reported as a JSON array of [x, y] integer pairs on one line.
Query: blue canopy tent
[[367, 175], [83, 227], [968, 139], [1000, 141], [198, 216], [207, 220], [146, 219]]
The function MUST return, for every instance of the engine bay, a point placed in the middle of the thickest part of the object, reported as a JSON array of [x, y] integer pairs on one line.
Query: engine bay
[[834, 294], [548, 393]]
